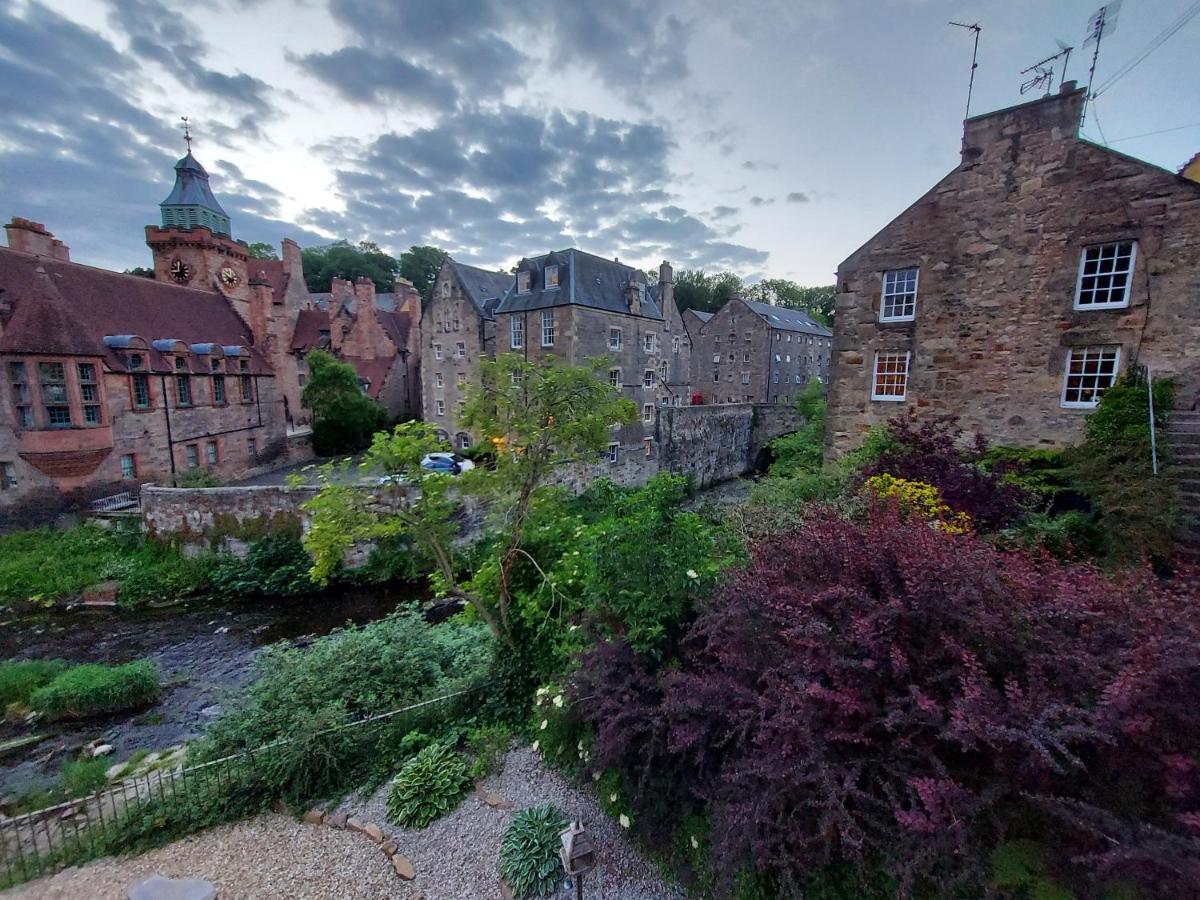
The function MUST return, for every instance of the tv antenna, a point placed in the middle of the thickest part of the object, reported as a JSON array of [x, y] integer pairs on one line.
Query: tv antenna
[[1043, 71], [1102, 22], [974, 61]]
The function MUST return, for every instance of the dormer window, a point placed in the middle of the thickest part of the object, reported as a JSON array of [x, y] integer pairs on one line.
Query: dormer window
[[522, 282], [551, 277], [136, 361]]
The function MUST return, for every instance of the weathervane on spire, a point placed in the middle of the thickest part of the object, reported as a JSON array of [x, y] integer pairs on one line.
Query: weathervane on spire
[[187, 132]]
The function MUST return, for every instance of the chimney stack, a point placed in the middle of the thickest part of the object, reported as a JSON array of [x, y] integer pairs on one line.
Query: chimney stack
[[1058, 114], [27, 236]]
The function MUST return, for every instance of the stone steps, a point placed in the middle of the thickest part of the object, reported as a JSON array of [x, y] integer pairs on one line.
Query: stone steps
[[1183, 442]]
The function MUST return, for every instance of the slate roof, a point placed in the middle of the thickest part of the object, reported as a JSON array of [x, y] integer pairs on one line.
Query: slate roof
[[584, 280], [483, 288], [191, 187], [69, 309], [786, 319], [701, 314]]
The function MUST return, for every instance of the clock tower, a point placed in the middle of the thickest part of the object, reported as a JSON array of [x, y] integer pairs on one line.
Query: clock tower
[[193, 246]]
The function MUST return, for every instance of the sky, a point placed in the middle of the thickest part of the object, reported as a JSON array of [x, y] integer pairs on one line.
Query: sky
[[766, 137]]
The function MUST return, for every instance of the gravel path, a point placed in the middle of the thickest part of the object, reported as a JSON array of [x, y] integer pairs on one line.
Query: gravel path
[[274, 857], [455, 857], [270, 857]]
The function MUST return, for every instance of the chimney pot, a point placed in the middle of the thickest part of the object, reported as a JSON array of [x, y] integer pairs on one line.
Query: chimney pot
[[1067, 86]]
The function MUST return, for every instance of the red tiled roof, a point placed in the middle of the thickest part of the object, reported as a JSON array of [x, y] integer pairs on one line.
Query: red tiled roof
[[395, 325], [309, 325], [375, 371], [273, 273], [68, 308]]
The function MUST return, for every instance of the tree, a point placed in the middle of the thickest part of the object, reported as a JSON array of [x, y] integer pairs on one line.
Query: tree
[[344, 418], [140, 272], [420, 265], [262, 250], [535, 416], [341, 259], [818, 302], [707, 293]]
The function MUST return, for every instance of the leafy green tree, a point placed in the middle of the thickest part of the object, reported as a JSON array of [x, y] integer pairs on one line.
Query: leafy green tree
[[818, 302], [140, 272], [341, 259], [696, 290], [536, 416], [344, 418], [262, 250], [803, 449], [420, 265]]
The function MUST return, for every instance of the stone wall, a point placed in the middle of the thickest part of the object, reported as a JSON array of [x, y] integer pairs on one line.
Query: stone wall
[[998, 244], [223, 518]]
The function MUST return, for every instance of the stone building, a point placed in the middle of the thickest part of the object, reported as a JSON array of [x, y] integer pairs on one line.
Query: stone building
[[570, 305], [751, 352], [378, 334], [111, 380], [1020, 286]]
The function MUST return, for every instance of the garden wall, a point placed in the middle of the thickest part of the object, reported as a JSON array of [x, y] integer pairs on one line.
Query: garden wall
[[222, 518]]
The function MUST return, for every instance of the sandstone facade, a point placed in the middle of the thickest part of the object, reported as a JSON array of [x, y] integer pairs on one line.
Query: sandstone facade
[[1007, 258]]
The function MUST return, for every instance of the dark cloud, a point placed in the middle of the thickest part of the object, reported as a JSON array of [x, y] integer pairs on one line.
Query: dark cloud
[[368, 76], [167, 37], [761, 201], [493, 186], [724, 212], [798, 197], [754, 165]]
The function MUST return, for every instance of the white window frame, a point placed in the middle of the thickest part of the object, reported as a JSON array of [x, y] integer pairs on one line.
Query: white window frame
[[614, 333], [745, 378], [1128, 273], [614, 452], [548, 328], [437, 351], [1083, 351], [614, 377], [551, 270], [440, 406], [439, 380], [516, 333], [649, 342], [890, 398], [716, 357], [902, 299], [647, 412], [460, 350], [648, 378]]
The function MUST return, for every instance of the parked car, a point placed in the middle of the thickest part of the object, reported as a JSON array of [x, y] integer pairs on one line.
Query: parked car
[[450, 463]]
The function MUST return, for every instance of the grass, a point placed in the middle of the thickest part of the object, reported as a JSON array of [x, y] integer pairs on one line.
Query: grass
[[92, 689], [84, 776], [45, 565], [19, 679]]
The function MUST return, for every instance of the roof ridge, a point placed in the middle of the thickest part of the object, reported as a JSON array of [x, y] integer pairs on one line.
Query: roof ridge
[[141, 278]]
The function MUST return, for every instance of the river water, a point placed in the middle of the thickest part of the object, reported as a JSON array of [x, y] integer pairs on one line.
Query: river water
[[205, 655]]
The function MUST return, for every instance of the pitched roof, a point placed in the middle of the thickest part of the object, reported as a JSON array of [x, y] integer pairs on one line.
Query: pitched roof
[[373, 371], [701, 314], [309, 325], [67, 308], [395, 325], [786, 319], [481, 286], [384, 302], [271, 271], [191, 187], [584, 280]]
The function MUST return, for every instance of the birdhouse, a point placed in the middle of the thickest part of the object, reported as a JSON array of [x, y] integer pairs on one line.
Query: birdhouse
[[578, 852]]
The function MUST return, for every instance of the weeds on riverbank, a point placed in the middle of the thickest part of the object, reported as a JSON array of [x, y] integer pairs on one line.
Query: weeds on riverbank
[[20, 678]]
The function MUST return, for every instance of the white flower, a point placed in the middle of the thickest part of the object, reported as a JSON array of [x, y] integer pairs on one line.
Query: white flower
[[579, 746], [545, 722], [542, 692], [558, 701], [612, 798], [623, 821], [695, 843], [573, 628], [595, 776], [535, 746], [691, 573]]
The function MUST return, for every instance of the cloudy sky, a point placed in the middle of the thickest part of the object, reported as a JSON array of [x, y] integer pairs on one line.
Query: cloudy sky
[[771, 137]]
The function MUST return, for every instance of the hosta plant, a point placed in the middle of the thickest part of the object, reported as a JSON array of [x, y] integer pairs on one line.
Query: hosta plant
[[429, 786], [529, 860]]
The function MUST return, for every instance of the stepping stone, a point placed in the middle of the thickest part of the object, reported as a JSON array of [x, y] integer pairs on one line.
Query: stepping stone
[[495, 801], [156, 887], [374, 832], [403, 867], [314, 817]]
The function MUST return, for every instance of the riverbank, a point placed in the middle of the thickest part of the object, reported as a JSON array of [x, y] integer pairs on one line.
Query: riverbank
[[204, 652]]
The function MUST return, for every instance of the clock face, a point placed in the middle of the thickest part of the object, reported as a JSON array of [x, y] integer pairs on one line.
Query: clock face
[[229, 277], [180, 271]]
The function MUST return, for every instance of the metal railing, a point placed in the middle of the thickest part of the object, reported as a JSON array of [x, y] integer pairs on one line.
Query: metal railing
[[116, 502], [125, 815]]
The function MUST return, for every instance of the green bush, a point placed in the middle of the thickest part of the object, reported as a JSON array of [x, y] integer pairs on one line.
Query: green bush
[[307, 693], [429, 786], [804, 449], [1043, 474], [529, 859], [197, 478], [84, 776], [94, 689], [274, 566], [20, 678], [1069, 535], [486, 746], [344, 418]]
